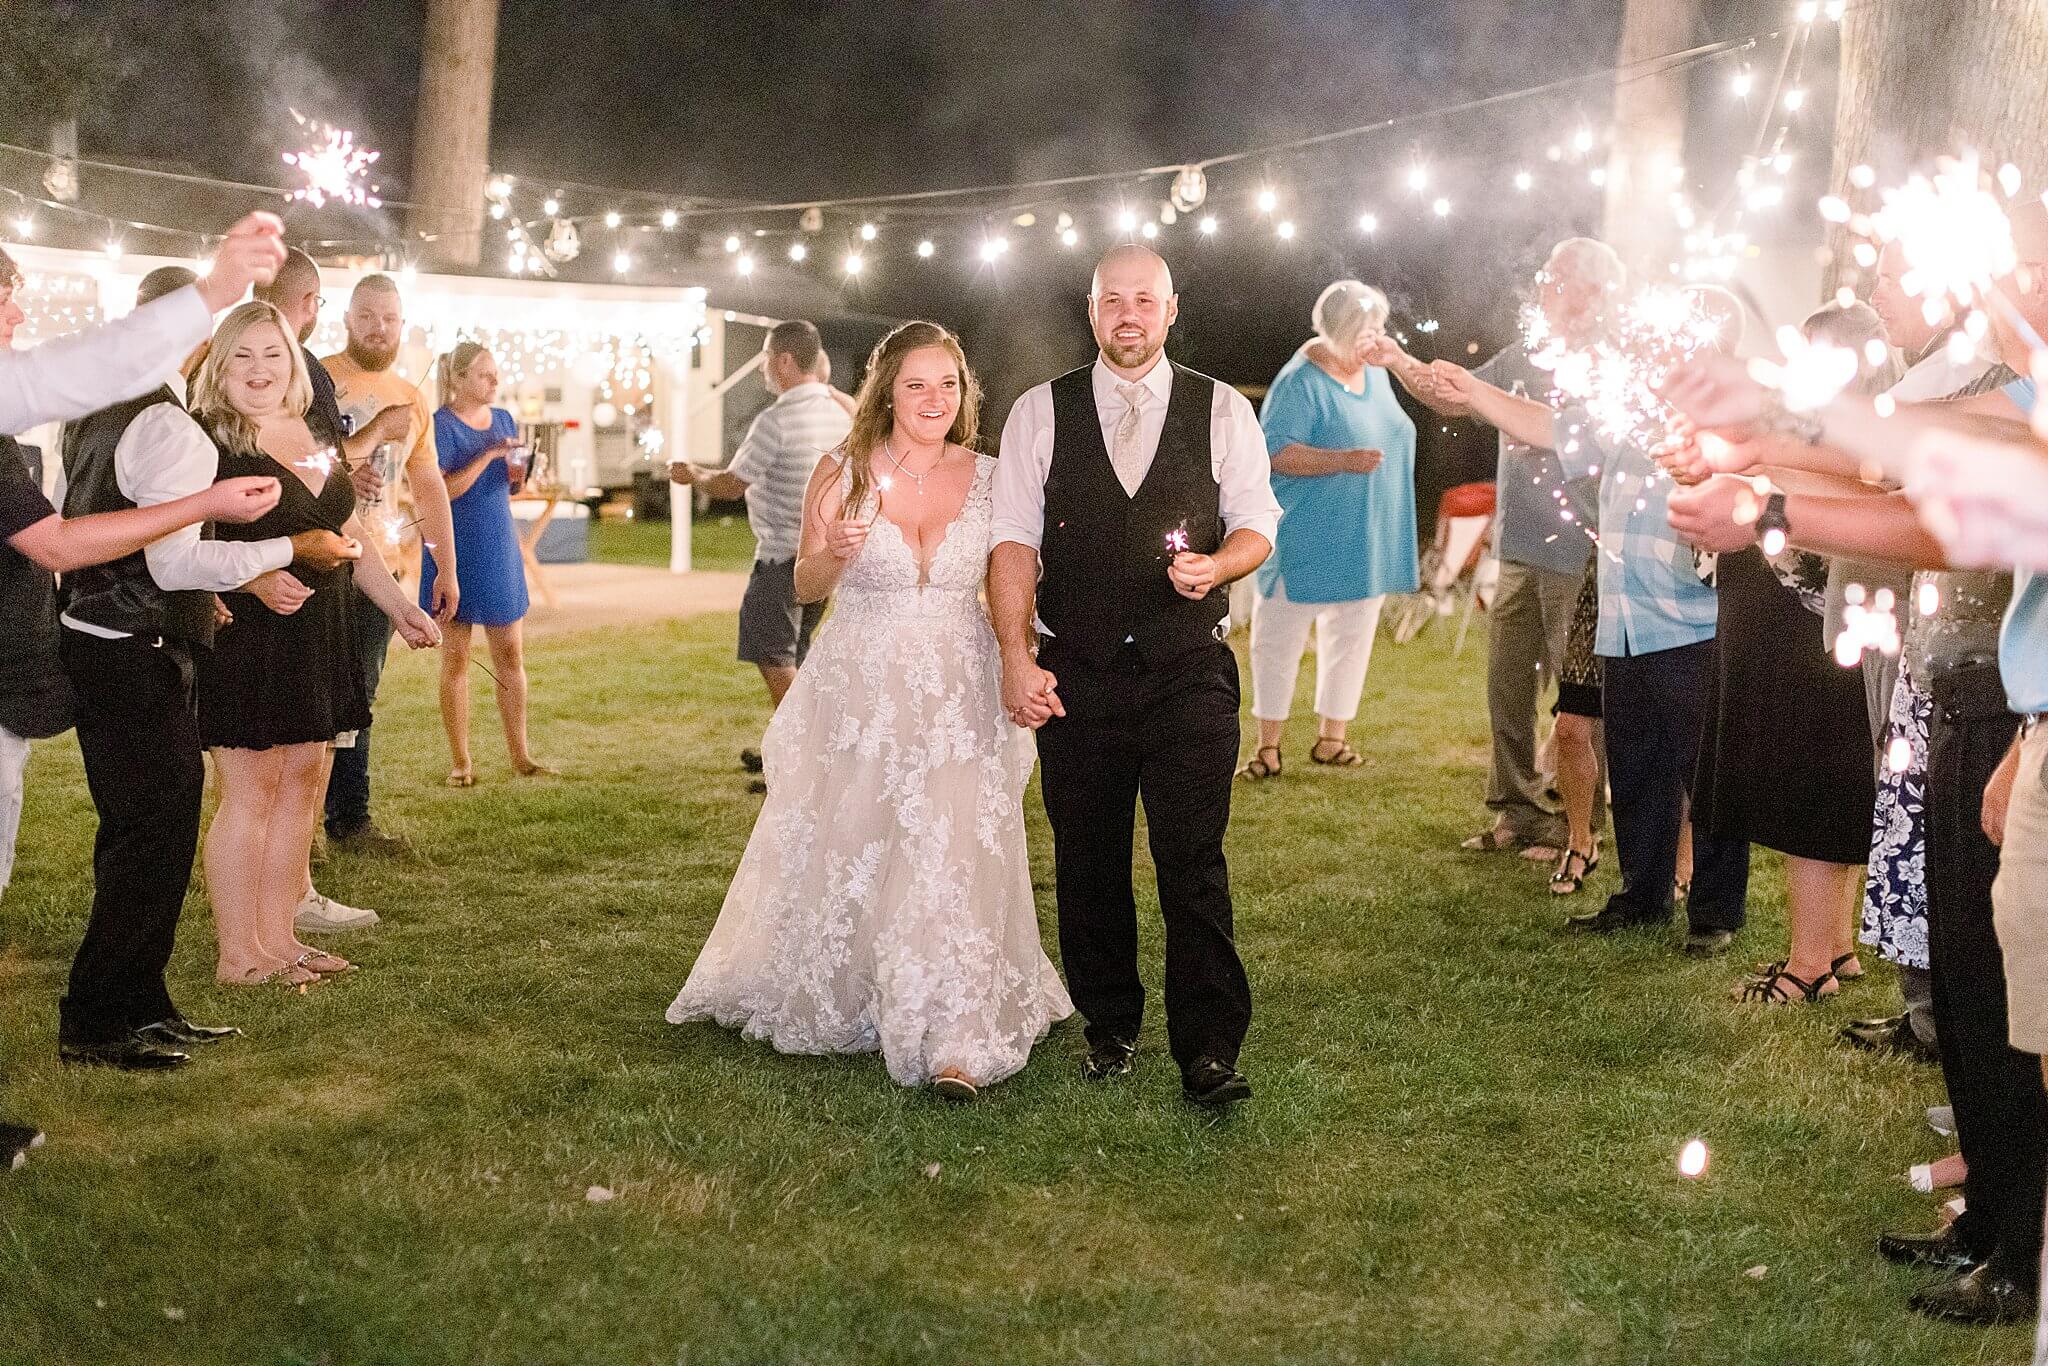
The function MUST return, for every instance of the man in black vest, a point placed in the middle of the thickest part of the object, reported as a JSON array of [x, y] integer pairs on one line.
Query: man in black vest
[[1130, 494], [130, 629]]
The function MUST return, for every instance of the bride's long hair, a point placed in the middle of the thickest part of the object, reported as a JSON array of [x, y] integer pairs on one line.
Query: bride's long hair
[[874, 416]]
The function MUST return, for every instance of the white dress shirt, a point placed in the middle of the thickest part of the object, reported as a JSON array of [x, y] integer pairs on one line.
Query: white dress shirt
[[1237, 454], [82, 373], [165, 455]]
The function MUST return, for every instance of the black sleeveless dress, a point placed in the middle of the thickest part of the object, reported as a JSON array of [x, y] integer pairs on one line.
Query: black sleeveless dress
[[272, 680]]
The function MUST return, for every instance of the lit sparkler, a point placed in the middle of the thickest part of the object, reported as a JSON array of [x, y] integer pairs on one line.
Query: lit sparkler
[[1177, 539], [1810, 373], [320, 462], [1615, 377], [334, 164], [1869, 622]]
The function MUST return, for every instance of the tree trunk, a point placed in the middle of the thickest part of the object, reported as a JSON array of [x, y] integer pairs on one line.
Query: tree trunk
[[1923, 78], [1649, 135], [452, 130]]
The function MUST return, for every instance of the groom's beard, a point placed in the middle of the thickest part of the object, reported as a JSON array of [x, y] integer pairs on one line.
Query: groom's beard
[[1131, 357]]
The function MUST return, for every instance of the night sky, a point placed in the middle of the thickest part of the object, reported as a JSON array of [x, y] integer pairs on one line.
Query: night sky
[[770, 102]]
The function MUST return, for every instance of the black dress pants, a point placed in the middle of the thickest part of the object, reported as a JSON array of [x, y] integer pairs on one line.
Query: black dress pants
[[145, 770], [1166, 736], [2001, 1108], [1656, 709]]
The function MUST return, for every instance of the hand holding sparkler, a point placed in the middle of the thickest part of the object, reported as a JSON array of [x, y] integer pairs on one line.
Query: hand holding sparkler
[[1717, 393], [418, 630], [249, 255], [278, 590], [324, 551], [1718, 514], [242, 499], [845, 536]]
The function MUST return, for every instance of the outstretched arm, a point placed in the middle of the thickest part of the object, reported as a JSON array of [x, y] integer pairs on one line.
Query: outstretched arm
[[62, 546]]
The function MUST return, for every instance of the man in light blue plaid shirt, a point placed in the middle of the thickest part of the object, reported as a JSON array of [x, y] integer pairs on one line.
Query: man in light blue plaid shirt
[[1656, 647]]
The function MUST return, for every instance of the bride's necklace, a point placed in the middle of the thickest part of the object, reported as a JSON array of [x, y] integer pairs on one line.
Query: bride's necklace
[[915, 479]]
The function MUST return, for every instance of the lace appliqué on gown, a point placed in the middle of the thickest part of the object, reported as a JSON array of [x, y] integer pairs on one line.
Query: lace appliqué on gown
[[884, 900]]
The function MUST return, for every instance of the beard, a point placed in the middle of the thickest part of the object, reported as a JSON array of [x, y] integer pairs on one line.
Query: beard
[[372, 359], [1133, 355]]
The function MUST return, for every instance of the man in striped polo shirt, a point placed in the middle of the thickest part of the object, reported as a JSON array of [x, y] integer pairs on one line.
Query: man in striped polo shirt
[[771, 470]]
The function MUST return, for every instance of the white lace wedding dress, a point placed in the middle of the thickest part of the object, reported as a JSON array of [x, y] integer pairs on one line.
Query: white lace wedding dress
[[884, 901]]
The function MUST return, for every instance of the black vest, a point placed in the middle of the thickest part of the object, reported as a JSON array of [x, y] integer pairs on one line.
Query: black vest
[[121, 596], [1105, 552], [35, 697]]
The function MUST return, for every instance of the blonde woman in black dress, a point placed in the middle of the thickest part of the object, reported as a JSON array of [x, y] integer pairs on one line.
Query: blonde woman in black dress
[[277, 689]]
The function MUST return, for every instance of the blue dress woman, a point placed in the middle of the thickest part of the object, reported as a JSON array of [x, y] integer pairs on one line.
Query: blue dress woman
[[1344, 471], [476, 444]]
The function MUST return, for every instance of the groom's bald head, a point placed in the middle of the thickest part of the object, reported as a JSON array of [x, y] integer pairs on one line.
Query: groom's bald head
[[1132, 265]]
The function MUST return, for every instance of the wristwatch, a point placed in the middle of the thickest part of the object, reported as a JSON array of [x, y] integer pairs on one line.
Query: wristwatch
[[1772, 528]]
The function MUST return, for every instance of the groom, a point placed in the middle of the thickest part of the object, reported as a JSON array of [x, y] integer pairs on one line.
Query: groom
[[1129, 495]]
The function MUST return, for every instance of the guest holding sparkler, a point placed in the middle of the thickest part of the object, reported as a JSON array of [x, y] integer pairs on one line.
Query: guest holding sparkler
[[1343, 456], [478, 446], [406, 486], [276, 691]]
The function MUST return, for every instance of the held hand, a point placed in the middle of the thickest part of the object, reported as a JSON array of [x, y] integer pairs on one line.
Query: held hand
[[1717, 514], [1680, 454], [241, 499], [250, 255], [1998, 796], [1363, 461], [447, 596], [1716, 392], [1192, 575], [279, 591], [682, 472], [1030, 694], [323, 551], [222, 617], [418, 630], [845, 538], [1452, 385], [368, 481]]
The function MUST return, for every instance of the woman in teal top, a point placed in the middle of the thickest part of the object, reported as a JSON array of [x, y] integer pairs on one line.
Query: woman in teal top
[[1344, 471]]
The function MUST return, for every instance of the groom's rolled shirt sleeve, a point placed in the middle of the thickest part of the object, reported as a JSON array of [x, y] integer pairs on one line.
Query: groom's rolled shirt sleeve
[[1024, 458], [1244, 472]]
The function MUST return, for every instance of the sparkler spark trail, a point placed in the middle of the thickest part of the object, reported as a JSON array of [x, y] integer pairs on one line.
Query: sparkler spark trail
[[1177, 539], [321, 462], [1615, 376], [334, 164]]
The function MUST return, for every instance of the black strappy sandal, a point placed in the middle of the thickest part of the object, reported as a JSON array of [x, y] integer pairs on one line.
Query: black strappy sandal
[[1256, 769], [1343, 757], [1768, 987], [1567, 880], [1842, 978]]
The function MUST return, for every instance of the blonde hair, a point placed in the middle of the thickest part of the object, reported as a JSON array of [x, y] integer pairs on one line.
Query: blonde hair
[[454, 363], [1346, 309], [873, 417], [1855, 327], [210, 404]]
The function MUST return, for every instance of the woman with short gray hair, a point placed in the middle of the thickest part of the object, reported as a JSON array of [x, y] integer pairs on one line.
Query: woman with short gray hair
[[1344, 472]]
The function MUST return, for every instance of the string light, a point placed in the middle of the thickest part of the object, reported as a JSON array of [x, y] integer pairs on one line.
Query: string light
[[1267, 200], [1524, 181], [1582, 141], [1207, 226], [498, 211], [612, 219], [1742, 83], [1795, 100], [1285, 230], [551, 206], [1418, 177], [798, 251], [1126, 220], [1149, 231], [989, 253], [925, 249], [669, 218], [1442, 208], [25, 226], [1069, 237], [1368, 222], [744, 265], [867, 232], [1808, 11], [853, 263], [114, 249], [732, 243], [621, 263]]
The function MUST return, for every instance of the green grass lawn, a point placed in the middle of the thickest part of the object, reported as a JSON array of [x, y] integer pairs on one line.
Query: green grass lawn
[[719, 541], [1462, 1149]]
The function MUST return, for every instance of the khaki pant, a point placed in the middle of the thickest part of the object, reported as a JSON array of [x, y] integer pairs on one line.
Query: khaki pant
[[2020, 898], [1528, 622]]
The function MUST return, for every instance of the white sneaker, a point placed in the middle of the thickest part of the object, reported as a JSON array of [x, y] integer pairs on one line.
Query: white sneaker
[[319, 914]]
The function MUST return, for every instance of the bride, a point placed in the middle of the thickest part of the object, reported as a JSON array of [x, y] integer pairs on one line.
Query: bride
[[884, 900]]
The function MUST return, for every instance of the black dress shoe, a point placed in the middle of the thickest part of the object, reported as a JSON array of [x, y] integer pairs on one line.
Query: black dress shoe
[[178, 1030], [1983, 1294], [750, 760], [1945, 1248], [1708, 943], [17, 1141], [1609, 919], [1893, 1034], [130, 1055], [1111, 1057], [1215, 1084]]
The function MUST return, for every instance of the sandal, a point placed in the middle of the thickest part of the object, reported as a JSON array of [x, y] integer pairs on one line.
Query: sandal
[[1344, 756], [1568, 879], [1494, 838], [1769, 987], [952, 1086], [312, 959], [291, 975], [1256, 769], [1835, 968]]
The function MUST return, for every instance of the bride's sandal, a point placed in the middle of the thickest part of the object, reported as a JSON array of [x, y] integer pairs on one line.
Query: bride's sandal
[[1256, 769], [1344, 756], [952, 1085]]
